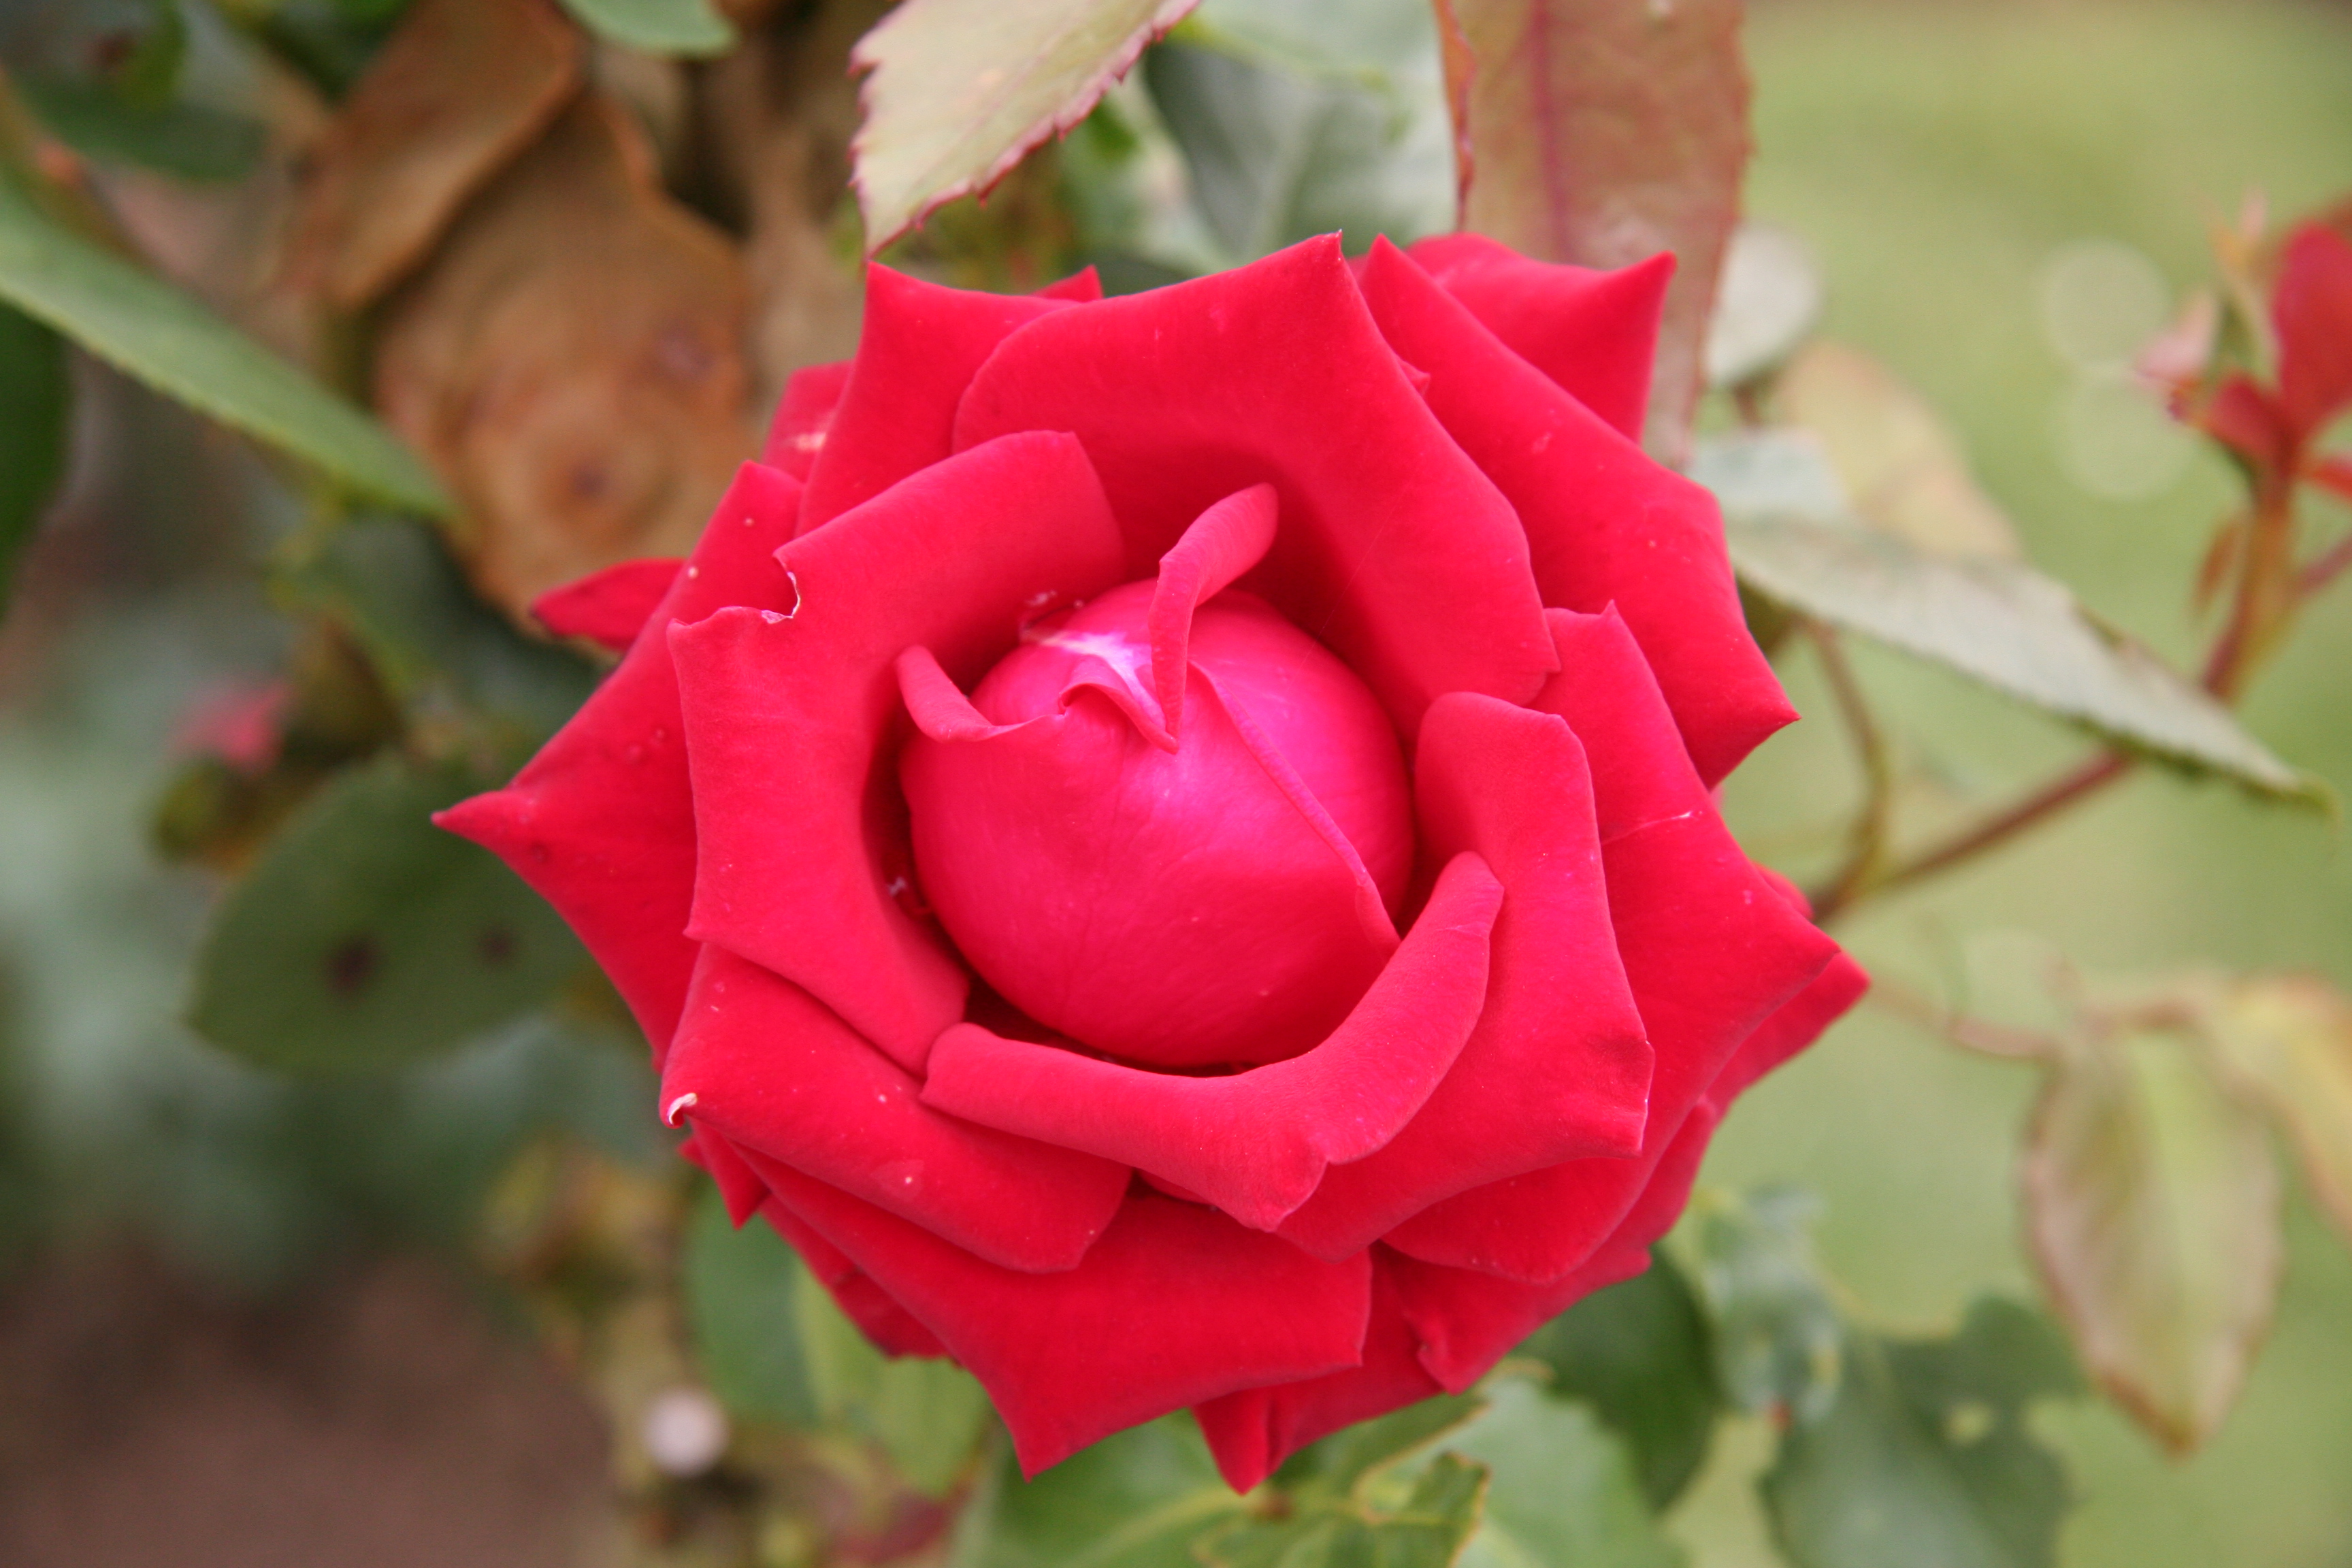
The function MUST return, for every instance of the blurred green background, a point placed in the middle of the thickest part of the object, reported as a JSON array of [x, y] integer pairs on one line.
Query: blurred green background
[[1948, 163], [1952, 166]]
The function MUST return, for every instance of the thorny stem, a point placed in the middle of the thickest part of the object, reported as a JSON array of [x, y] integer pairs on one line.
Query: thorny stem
[[1975, 1033], [1866, 845]]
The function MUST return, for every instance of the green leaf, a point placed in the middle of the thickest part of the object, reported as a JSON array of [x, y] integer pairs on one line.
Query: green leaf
[[438, 649], [928, 1415], [961, 89], [1277, 155], [2152, 1202], [1995, 620], [1339, 1463], [192, 141], [1134, 1501], [1425, 1527], [1768, 297], [155, 333], [34, 397], [657, 26], [1639, 1352], [1779, 1342], [1924, 1461], [1562, 1493], [366, 938], [2286, 1041], [742, 1301], [1601, 133]]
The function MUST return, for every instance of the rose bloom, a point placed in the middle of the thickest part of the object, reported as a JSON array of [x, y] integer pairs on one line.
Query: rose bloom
[[1167, 843]]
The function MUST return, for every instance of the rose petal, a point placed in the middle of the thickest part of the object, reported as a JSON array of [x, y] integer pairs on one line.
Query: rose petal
[[784, 1081], [917, 350], [1083, 287], [1467, 1321], [601, 822], [2312, 311], [1594, 333], [1604, 523], [1221, 544], [1798, 1024], [1254, 1430], [1559, 1067], [1394, 549], [609, 607], [1254, 1143], [786, 717], [804, 418], [1711, 949], [1066, 854], [1174, 1306]]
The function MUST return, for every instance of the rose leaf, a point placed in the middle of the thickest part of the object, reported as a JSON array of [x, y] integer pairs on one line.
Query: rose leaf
[[189, 140], [1562, 1493], [1794, 538], [440, 653], [156, 334], [1767, 299], [1639, 1352], [364, 938], [741, 1287], [2152, 1201], [1924, 1459], [927, 1414], [35, 400], [1780, 1344], [1416, 1518], [961, 89], [1601, 133], [657, 26], [2286, 1040], [1136, 1499]]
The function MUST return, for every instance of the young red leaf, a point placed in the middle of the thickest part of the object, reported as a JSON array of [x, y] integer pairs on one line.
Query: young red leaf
[[1602, 131]]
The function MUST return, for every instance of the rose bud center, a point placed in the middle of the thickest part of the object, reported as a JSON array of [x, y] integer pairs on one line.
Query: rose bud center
[[1185, 861]]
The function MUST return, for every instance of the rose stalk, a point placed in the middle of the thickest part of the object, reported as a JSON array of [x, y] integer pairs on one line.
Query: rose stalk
[[1167, 844]]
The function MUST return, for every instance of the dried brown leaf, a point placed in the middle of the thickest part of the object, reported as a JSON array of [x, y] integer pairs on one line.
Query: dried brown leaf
[[455, 95], [1899, 461], [571, 361], [1602, 131], [2152, 1200], [2286, 1041]]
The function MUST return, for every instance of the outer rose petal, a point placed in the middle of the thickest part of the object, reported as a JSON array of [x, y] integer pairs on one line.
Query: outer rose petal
[[601, 822], [1083, 287], [608, 607], [1711, 947], [1604, 523], [804, 418], [1593, 333], [917, 351], [1253, 1431], [1798, 1024], [1174, 1306], [1394, 549], [1254, 1143], [759, 1064], [787, 716], [1558, 1066]]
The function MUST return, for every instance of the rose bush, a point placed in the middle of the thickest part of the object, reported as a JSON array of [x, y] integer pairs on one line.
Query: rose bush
[[1167, 843]]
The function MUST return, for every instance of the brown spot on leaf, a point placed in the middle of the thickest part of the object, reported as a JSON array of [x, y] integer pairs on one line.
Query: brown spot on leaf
[[496, 946], [350, 964], [534, 363], [457, 92]]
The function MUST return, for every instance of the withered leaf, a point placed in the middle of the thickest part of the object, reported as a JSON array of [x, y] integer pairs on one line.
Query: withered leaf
[[454, 96], [2287, 1039], [2152, 1199], [1900, 462], [571, 361], [1602, 131]]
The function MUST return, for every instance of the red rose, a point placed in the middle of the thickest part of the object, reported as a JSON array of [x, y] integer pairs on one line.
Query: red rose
[[1166, 842]]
